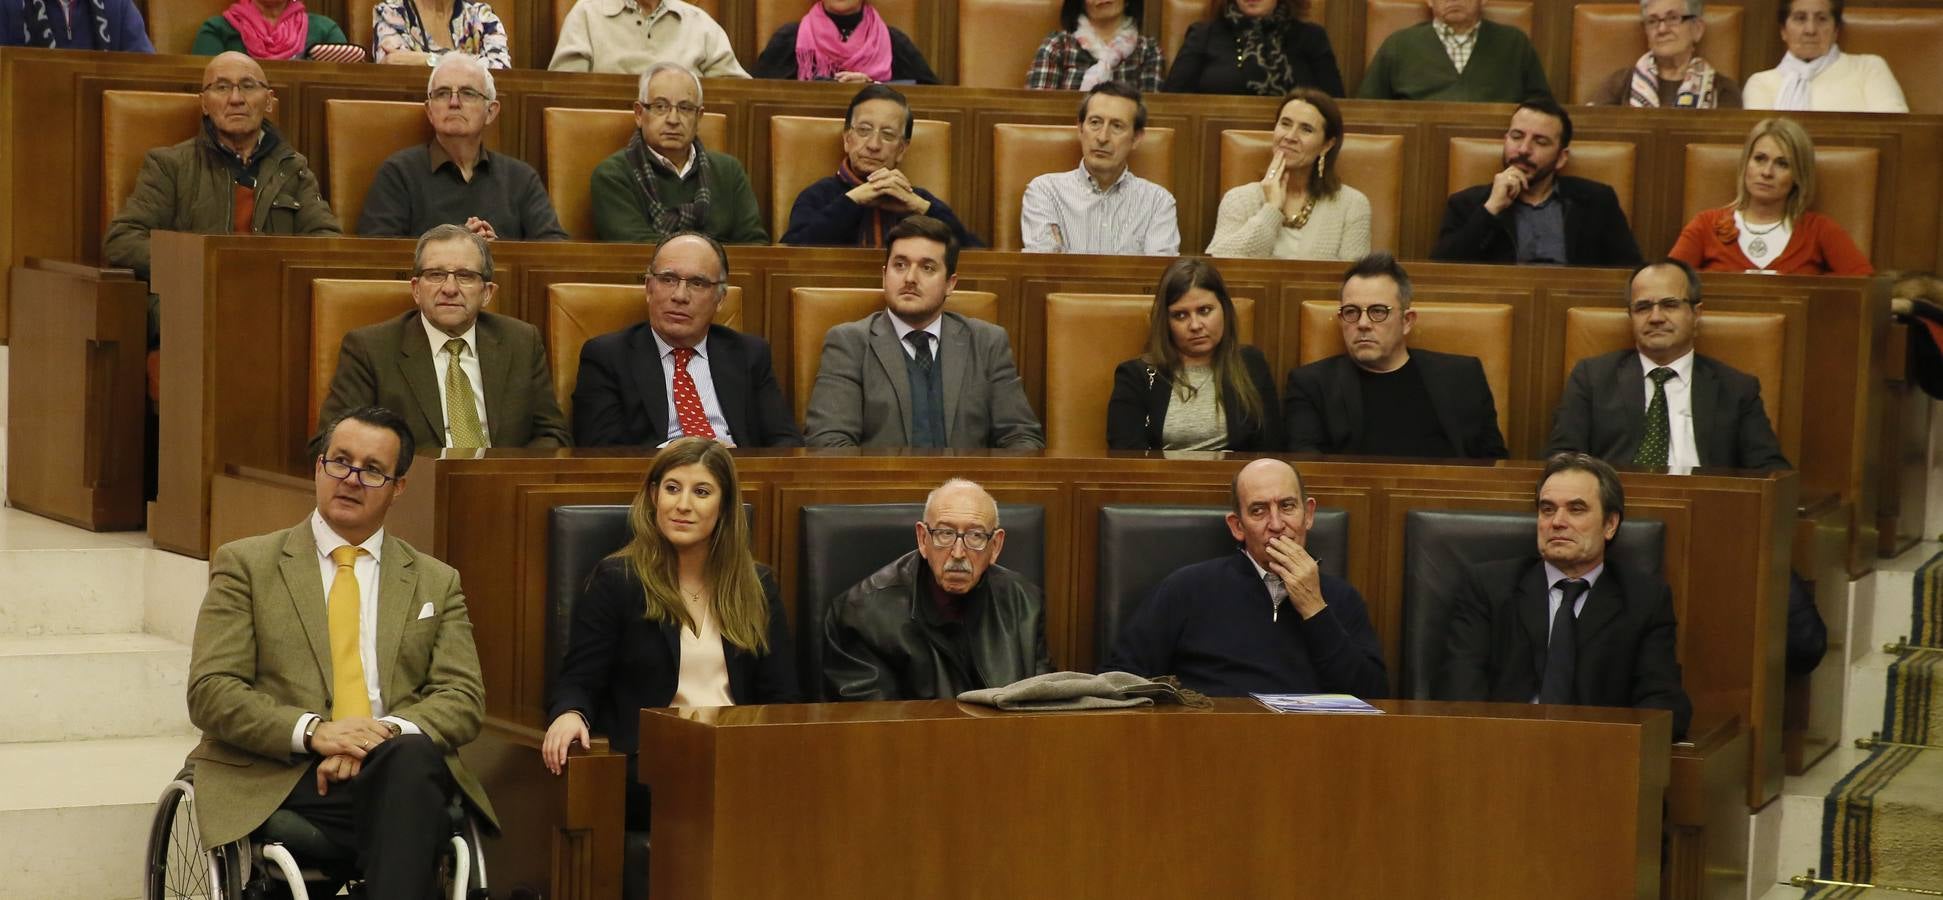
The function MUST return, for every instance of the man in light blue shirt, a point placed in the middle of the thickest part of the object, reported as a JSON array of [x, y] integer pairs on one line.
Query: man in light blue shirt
[[1102, 207]]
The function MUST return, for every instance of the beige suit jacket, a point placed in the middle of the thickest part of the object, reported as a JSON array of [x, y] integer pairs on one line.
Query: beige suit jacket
[[262, 659]]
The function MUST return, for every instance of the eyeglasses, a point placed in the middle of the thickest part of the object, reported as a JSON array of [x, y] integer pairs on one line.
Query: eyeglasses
[[864, 132], [943, 538], [671, 281], [342, 471], [465, 94], [1351, 314], [1666, 21], [1667, 305], [661, 109], [249, 86], [466, 278]]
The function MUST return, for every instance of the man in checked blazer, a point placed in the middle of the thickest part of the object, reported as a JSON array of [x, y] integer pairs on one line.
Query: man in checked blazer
[[913, 375]]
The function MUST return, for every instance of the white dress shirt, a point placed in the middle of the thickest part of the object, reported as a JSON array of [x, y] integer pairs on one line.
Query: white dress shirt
[[366, 569], [935, 330], [1680, 449], [704, 386], [469, 364], [1067, 212]]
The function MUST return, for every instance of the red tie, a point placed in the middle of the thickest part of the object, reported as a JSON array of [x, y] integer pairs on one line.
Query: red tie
[[688, 402]]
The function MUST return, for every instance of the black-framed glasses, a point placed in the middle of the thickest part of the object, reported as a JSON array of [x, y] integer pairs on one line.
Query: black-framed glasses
[[943, 537], [1351, 314], [342, 471], [1666, 305], [465, 94], [466, 278], [661, 108], [673, 281], [1668, 21], [249, 87]]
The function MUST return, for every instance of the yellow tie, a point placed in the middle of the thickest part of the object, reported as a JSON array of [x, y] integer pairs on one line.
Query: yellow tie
[[350, 697], [461, 413]]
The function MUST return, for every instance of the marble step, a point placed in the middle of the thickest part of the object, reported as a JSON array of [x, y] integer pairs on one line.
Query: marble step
[[88, 591], [74, 815], [78, 687]]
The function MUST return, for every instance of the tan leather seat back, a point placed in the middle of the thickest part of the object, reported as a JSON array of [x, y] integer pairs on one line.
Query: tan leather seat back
[[133, 123], [361, 135], [998, 38], [1475, 161], [807, 149], [578, 139], [1607, 37], [562, 7], [577, 313], [1383, 18], [1087, 335], [1371, 163], [1845, 185], [1755, 343], [814, 311], [1908, 39], [172, 24], [1483, 330], [339, 306], [899, 14], [1021, 153]]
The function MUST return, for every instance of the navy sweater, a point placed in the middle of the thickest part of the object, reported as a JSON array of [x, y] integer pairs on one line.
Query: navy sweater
[[824, 216]]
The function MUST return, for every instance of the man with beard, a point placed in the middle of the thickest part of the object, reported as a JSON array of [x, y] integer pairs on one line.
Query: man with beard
[[1530, 213]]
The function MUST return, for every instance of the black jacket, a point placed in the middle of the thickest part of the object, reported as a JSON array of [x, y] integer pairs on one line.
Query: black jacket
[[1142, 394], [1322, 406], [824, 215], [1596, 233], [1206, 63], [621, 400], [1603, 413], [882, 640]]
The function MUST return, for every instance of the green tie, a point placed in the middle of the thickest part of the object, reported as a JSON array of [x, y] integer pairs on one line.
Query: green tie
[[461, 412], [1659, 432]]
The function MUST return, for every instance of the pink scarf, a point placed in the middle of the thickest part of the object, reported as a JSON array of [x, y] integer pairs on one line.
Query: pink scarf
[[262, 39], [821, 51]]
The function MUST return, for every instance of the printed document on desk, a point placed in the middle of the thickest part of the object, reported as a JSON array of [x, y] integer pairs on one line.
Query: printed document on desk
[[1316, 703]]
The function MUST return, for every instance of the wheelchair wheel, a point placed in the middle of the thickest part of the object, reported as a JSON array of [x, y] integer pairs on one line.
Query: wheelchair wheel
[[178, 866]]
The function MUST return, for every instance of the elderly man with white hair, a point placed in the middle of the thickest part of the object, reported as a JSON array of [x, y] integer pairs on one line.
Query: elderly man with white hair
[[664, 181], [455, 180], [1672, 74]]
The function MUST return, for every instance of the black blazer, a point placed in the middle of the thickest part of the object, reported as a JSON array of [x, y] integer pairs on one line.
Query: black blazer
[[1596, 233], [620, 399], [1626, 640], [618, 662], [1322, 407], [1142, 394], [1603, 413], [1206, 61]]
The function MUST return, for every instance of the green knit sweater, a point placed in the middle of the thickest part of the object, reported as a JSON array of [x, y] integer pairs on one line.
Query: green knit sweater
[[1413, 65], [217, 35], [621, 214]]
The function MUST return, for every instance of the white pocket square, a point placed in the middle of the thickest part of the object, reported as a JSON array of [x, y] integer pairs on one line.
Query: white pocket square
[[425, 612]]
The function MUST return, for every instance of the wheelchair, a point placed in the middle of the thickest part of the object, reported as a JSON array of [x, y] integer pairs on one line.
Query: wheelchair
[[265, 865]]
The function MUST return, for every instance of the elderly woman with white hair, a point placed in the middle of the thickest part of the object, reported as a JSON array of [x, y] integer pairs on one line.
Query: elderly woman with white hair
[[418, 32], [1672, 74], [1815, 74]]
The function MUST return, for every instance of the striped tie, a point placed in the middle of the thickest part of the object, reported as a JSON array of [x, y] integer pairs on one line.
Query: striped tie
[[350, 698], [461, 410]]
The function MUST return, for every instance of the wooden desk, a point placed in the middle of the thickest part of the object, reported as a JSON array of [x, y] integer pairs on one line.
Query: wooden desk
[[939, 798]]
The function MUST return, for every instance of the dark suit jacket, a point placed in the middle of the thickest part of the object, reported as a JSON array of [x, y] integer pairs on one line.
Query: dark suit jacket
[[1138, 410], [1603, 413], [1596, 233], [391, 364], [1322, 407], [1626, 640], [618, 662], [621, 398], [863, 393]]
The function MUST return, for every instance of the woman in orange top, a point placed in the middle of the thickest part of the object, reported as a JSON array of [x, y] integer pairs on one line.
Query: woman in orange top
[[1769, 227]]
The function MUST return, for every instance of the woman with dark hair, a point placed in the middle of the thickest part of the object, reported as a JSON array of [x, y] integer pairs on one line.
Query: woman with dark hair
[[272, 29], [1197, 386], [843, 40], [1300, 209], [1259, 47], [1815, 74], [1769, 227], [1101, 42], [681, 616]]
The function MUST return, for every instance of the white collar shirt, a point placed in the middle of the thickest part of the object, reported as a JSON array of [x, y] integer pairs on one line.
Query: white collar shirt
[[1681, 450], [469, 364], [704, 378], [368, 569], [935, 330]]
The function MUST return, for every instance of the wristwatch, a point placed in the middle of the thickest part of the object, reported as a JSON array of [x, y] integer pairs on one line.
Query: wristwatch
[[311, 730], [395, 729]]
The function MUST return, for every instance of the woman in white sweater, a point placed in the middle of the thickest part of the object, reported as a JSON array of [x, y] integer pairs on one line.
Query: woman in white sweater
[[1815, 74], [1300, 209]]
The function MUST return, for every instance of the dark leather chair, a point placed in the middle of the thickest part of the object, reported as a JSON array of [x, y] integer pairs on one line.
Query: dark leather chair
[[1439, 543], [1140, 545], [843, 543]]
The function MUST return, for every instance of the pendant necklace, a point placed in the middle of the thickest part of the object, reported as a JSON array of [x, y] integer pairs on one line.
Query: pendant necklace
[[1759, 246]]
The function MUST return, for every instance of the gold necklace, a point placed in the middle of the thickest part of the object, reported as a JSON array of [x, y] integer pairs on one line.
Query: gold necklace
[[1301, 217]]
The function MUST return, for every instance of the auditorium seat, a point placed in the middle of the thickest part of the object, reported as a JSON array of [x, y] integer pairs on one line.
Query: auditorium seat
[[1383, 18], [842, 544], [1845, 185], [1177, 15], [807, 149], [133, 123], [998, 38], [1475, 161], [360, 136], [1907, 39], [1021, 153], [172, 24], [1483, 330], [1607, 37], [899, 14], [813, 311], [1371, 163], [578, 313], [337, 307], [578, 139], [1087, 335]]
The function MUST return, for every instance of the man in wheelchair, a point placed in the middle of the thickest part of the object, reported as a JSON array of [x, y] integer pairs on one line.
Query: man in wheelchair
[[334, 676]]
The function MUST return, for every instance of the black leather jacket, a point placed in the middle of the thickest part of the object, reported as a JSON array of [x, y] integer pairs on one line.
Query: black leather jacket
[[883, 639]]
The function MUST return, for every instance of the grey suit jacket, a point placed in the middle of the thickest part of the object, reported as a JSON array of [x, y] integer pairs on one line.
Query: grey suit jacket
[[262, 659], [391, 364], [862, 396], [1603, 413]]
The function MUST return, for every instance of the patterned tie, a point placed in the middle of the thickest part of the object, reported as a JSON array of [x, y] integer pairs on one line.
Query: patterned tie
[[461, 411], [921, 344], [1562, 653], [688, 401], [350, 699], [1277, 592], [1654, 444]]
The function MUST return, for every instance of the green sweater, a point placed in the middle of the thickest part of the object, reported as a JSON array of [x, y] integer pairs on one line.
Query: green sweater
[[217, 35], [621, 213], [1413, 65]]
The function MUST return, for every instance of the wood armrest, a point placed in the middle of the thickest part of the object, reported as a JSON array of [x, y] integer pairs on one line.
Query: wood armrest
[[1707, 778], [562, 835]]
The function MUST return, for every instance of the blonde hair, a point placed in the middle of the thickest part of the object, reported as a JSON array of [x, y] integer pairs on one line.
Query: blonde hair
[[735, 591], [1800, 152]]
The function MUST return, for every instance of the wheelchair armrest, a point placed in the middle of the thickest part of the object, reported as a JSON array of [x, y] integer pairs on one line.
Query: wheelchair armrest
[[561, 834]]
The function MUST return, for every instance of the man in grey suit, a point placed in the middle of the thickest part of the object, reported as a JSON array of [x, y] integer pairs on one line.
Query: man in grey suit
[[913, 375], [461, 377]]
